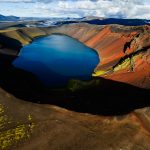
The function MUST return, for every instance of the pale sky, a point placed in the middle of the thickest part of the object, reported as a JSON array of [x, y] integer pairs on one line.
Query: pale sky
[[77, 8]]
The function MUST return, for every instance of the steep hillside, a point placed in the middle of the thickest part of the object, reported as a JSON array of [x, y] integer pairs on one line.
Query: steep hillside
[[123, 46], [28, 126], [115, 115], [122, 49]]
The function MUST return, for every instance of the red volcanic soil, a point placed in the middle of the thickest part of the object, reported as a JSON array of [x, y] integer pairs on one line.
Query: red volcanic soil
[[138, 75], [116, 44], [118, 48]]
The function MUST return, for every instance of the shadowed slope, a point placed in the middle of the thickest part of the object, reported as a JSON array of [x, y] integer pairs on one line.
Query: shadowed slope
[[29, 126], [98, 96]]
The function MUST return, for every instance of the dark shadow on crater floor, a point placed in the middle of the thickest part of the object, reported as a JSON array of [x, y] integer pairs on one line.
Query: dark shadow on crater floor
[[13, 43], [105, 98]]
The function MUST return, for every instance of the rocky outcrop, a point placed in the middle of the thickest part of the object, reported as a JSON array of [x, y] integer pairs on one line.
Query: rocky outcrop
[[134, 69]]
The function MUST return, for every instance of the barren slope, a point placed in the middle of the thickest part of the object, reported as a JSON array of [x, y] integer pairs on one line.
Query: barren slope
[[122, 49], [124, 56], [28, 126]]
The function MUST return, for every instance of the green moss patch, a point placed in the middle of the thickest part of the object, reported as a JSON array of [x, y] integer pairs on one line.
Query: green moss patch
[[13, 136]]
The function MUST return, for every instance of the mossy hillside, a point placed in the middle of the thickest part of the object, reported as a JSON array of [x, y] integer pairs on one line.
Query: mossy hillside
[[17, 36], [8, 29], [3, 117], [24, 35], [19, 132], [76, 85], [124, 65], [13, 136], [32, 32], [128, 63], [98, 73]]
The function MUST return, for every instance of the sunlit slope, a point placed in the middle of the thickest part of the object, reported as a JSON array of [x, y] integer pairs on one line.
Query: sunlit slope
[[122, 49]]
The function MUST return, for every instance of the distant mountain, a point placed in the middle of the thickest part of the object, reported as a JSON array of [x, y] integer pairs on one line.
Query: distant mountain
[[105, 21], [128, 22], [44, 22], [9, 18]]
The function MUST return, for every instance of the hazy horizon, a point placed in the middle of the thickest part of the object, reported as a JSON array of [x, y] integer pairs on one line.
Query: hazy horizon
[[71, 17]]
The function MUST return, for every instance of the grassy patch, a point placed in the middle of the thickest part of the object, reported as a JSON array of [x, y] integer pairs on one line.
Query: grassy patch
[[75, 85], [124, 65], [13, 136], [99, 73]]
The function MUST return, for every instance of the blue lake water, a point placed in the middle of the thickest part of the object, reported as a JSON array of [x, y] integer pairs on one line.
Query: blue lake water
[[56, 59]]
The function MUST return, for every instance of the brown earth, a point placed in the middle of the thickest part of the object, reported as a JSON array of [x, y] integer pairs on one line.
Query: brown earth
[[28, 126], [124, 56]]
